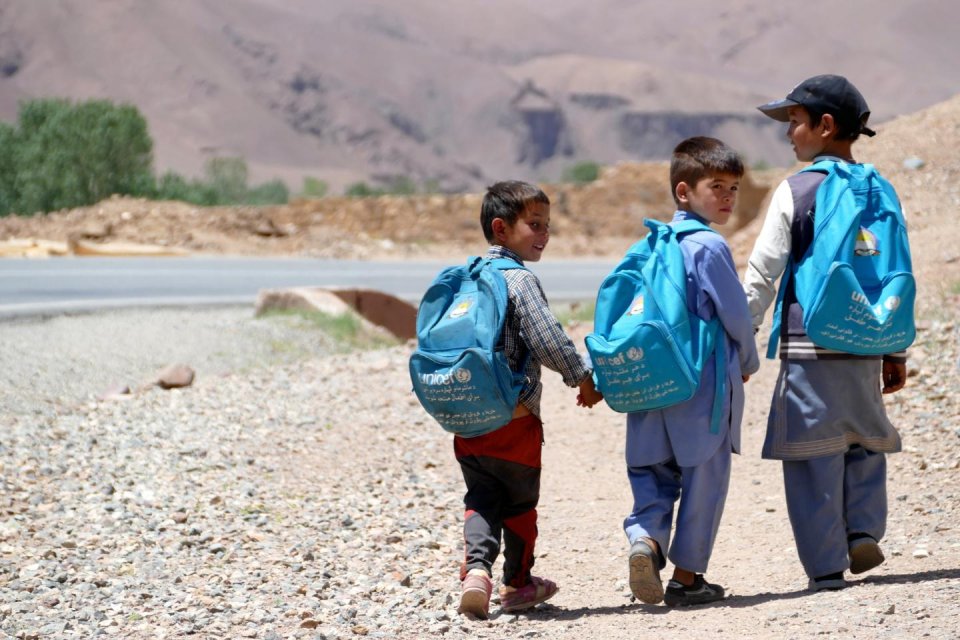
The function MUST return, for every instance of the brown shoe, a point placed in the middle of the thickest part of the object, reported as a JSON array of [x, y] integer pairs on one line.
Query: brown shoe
[[645, 584], [865, 554]]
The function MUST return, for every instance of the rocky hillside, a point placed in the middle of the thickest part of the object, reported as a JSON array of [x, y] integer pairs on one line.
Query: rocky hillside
[[462, 94]]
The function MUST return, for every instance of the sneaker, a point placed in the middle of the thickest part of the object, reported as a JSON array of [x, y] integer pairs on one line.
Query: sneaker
[[645, 584], [829, 582], [475, 593], [700, 592], [865, 554], [530, 595]]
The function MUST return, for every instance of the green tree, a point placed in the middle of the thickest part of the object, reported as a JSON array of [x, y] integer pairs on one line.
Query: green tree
[[582, 172], [72, 155], [361, 190], [273, 192], [228, 179], [8, 164], [314, 188], [402, 186], [173, 186]]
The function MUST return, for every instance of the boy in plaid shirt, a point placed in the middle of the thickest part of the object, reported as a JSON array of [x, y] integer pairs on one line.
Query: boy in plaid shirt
[[502, 468]]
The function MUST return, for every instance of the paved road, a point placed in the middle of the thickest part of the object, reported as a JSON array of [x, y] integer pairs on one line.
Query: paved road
[[30, 287]]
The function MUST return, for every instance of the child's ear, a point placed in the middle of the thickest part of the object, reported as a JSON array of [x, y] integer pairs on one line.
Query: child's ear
[[499, 228], [681, 192], [828, 125]]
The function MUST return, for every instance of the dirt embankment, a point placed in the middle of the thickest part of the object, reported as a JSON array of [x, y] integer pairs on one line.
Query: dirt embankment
[[916, 153], [599, 218]]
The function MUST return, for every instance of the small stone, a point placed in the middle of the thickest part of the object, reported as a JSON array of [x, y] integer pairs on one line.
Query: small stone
[[175, 376], [921, 553], [913, 163], [309, 623]]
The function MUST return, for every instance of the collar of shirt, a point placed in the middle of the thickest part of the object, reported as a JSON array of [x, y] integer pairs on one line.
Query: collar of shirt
[[680, 216], [832, 158], [497, 251]]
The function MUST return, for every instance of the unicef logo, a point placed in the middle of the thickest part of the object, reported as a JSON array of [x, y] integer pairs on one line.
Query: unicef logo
[[462, 375], [635, 353], [892, 303], [461, 309]]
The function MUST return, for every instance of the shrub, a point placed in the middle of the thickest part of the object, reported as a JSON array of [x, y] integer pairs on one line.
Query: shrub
[[313, 188], [66, 155], [582, 172]]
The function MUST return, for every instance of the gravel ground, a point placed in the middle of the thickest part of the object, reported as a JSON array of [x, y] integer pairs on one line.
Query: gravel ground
[[292, 492], [53, 363]]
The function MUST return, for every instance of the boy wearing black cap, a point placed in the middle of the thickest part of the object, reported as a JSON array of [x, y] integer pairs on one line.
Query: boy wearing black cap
[[827, 422]]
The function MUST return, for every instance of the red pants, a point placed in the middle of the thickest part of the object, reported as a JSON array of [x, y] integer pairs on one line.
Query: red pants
[[502, 473]]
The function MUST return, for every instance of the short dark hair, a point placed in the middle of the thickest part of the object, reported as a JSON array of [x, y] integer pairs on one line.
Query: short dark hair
[[508, 199], [699, 157], [847, 129]]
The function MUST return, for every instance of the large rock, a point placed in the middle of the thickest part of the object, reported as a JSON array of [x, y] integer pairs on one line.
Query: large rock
[[376, 308], [175, 376]]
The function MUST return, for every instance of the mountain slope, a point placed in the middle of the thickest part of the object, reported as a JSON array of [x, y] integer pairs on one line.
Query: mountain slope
[[460, 94]]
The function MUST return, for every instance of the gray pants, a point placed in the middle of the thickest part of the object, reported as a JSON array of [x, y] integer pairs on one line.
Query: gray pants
[[702, 492], [830, 498]]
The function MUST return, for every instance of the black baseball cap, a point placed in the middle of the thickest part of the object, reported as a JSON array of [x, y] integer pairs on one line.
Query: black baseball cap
[[825, 94]]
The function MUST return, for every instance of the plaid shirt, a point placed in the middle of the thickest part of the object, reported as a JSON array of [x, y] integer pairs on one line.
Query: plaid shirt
[[531, 329]]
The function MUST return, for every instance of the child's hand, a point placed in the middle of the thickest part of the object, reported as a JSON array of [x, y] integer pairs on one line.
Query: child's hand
[[588, 395], [894, 376], [746, 379]]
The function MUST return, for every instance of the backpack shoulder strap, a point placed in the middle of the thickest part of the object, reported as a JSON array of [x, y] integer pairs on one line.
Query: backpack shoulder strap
[[680, 229], [505, 264], [820, 166], [685, 227]]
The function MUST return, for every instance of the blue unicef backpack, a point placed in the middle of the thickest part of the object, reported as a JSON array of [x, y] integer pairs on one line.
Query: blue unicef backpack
[[648, 350], [855, 281], [459, 370]]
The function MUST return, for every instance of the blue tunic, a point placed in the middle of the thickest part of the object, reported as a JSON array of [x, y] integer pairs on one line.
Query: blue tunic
[[683, 431]]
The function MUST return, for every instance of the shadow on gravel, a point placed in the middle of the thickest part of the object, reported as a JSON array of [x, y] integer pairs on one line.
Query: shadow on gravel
[[737, 601], [912, 578], [552, 612]]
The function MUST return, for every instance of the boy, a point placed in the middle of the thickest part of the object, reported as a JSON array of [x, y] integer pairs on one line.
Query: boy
[[827, 421], [672, 453], [502, 468]]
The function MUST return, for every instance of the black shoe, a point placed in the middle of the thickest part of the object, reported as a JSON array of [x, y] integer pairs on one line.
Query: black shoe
[[829, 582], [700, 592]]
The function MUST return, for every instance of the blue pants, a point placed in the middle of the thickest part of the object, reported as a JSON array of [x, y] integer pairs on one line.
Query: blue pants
[[830, 498], [702, 492]]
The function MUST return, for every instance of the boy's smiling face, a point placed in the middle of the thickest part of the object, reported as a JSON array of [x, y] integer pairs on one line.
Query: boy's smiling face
[[528, 236], [713, 197]]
